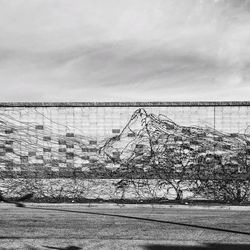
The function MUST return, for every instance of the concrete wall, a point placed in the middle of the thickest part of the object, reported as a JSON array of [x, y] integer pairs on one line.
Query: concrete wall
[[62, 136]]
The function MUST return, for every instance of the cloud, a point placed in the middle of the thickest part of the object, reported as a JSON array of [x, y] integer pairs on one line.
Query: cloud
[[58, 50]]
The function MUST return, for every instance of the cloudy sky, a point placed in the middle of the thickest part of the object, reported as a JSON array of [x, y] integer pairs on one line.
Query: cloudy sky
[[124, 50]]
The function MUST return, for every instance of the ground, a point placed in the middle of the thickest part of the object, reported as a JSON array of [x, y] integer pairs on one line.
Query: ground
[[79, 226]]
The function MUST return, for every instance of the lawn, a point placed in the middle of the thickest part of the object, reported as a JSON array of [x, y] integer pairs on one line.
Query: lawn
[[79, 226]]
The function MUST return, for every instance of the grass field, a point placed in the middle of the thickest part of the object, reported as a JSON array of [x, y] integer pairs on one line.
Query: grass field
[[78, 226]]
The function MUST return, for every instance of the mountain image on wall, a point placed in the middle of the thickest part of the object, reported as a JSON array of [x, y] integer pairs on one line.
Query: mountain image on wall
[[146, 142], [151, 143]]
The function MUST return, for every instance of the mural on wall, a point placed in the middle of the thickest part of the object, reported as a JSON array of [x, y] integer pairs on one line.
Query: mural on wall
[[48, 146], [39, 144], [156, 144]]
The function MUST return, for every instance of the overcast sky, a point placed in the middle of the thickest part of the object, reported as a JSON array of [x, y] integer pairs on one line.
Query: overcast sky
[[124, 50]]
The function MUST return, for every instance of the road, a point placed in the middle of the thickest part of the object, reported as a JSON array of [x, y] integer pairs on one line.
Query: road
[[78, 226]]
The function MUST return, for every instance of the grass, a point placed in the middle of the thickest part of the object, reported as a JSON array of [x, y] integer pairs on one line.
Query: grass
[[60, 226]]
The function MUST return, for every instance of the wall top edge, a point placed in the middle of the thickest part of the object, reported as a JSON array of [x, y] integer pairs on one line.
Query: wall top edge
[[123, 104]]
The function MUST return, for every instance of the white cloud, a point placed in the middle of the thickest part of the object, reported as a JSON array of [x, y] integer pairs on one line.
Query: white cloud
[[86, 50]]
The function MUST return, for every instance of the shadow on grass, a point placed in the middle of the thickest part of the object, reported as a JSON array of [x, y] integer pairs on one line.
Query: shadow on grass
[[202, 247], [9, 238], [142, 219], [64, 248], [58, 248]]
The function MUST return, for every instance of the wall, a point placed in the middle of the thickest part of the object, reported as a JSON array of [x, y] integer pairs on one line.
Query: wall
[[60, 139]]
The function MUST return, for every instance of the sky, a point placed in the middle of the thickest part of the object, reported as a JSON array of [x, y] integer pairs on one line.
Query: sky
[[124, 50]]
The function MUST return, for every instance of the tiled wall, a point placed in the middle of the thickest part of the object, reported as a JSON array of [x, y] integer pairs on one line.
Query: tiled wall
[[58, 139]]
